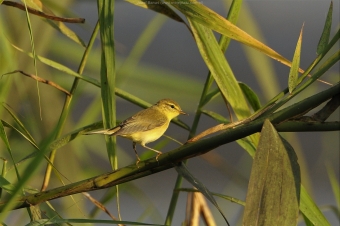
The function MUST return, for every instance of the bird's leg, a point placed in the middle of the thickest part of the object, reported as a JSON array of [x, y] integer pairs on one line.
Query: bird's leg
[[158, 152], [134, 148]]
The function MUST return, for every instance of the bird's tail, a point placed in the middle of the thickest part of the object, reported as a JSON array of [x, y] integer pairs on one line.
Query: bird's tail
[[104, 131]]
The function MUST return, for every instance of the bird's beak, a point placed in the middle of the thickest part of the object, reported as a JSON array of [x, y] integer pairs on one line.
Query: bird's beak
[[183, 113]]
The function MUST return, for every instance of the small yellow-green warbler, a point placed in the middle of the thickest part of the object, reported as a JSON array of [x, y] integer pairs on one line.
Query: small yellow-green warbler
[[147, 125]]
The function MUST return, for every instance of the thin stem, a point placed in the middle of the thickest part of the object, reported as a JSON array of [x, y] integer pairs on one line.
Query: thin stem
[[66, 107]]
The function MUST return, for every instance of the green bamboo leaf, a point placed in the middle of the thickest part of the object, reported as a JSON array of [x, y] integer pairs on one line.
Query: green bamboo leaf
[[20, 124], [199, 13], [307, 221], [251, 96], [310, 210], [108, 74], [216, 116], [210, 96], [4, 138], [245, 143], [24, 135], [324, 39], [34, 55], [274, 187], [220, 69], [226, 197], [232, 17], [184, 172], [294, 70], [6, 185], [61, 67], [59, 26]]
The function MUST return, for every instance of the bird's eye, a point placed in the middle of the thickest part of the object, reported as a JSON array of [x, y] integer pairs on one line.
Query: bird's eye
[[172, 106]]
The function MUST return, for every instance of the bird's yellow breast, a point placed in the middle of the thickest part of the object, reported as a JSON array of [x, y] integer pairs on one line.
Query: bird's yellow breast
[[144, 137]]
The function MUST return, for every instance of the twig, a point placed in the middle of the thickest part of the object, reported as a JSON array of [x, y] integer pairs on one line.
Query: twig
[[41, 80], [42, 14]]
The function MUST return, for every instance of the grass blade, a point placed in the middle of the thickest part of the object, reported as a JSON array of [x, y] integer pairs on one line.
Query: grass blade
[[20, 124], [294, 70], [59, 26], [108, 74], [62, 68], [184, 172], [324, 39]]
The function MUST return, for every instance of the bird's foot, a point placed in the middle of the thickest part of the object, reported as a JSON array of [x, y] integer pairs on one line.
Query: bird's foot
[[158, 154]]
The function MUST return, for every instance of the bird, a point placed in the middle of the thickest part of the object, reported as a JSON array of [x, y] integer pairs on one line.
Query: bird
[[146, 125]]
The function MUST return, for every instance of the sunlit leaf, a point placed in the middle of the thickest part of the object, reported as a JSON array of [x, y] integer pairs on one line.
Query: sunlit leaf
[[220, 69], [274, 187], [294, 70], [203, 15]]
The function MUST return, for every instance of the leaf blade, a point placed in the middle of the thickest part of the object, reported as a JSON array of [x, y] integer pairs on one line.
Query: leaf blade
[[184, 172], [324, 39], [294, 70], [274, 187], [220, 69]]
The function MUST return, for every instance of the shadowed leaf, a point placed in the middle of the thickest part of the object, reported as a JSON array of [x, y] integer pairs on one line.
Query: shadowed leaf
[[251, 96], [184, 172], [159, 7], [274, 187], [324, 39]]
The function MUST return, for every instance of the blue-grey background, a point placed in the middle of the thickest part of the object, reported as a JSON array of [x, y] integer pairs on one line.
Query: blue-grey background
[[173, 55]]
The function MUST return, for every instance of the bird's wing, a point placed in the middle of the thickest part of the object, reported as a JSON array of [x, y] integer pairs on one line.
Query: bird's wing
[[141, 122]]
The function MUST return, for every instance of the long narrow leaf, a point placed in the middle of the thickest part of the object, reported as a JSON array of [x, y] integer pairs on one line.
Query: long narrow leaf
[[274, 187], [159, 7], [59, 26], [294, 70], [220, 69], [184, 172], [201, 14], [324, 39], [251, 96], [62, 68], [108, 74]]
